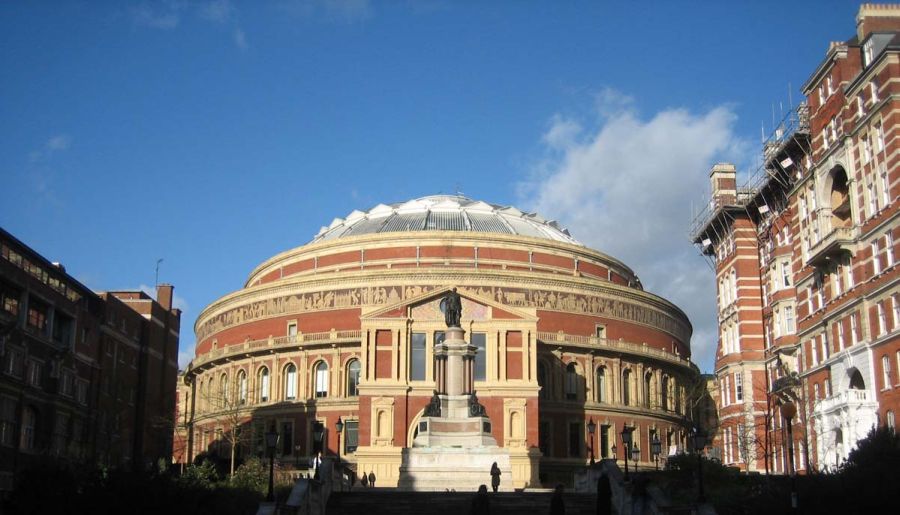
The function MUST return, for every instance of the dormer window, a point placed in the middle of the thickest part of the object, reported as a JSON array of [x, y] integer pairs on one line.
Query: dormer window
[[868, 52]]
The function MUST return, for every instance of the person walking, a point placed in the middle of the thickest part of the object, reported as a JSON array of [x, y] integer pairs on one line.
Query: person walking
[[557, 506], [314, 464], [495, 477], [372, 479], [364, 479]]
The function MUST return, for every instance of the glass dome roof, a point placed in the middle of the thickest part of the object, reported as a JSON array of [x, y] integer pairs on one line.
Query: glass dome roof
[[444, 213]]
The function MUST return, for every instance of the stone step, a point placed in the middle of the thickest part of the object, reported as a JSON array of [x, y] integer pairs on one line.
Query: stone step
[[394, 502]]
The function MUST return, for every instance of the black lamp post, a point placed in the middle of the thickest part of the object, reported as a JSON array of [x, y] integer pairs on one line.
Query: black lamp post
[[339, 426], [699, 443], [626, 445], [635, 455], [656, 448], [271, 443], [591, 428], [788, 410]]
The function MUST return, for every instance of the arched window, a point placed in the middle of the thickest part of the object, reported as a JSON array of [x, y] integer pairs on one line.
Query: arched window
[[648, 389], [353, 369], [29, 419], [263, 380], [664, 393], [290, 382], [626, 387], [321, 379], [211, 391], [856, 381], [571, 382], [600, 384], [242, 387], [543, 380], [223, 389]]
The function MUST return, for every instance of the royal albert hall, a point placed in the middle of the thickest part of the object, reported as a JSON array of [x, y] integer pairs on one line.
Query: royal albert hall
[[343, 328]]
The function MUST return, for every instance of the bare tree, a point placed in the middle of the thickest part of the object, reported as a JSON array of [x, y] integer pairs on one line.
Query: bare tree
[[228, 407]]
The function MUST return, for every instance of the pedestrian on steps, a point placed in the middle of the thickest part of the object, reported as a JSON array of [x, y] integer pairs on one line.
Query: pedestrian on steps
[[557, 506], [495, 477], [481, 505], [372, 479], [364, 479]]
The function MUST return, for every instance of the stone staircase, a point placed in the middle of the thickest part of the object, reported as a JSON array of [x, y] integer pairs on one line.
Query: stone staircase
[[388, 501]]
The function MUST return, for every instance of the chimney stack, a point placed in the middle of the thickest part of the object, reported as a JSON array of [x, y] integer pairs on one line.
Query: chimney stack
[[723, 179], [164, 295]]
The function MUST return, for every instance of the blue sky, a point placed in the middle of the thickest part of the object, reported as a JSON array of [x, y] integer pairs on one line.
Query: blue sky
[[216, 134]]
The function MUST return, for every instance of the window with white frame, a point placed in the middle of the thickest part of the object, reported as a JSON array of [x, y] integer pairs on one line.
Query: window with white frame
[[840, 333], [738, 387], [321, 379], [242, 387], [292, 329], [876, 259], [829, 85], [885, 372], [885, 185], [872, 204], [889, 418], [353, 370], [8, 421], [888, 249], [823, 346], [290, 382], [867, 148], [786, 274], [789, 325], [879, 138], [895, 304], [854, 338], [263, 381], [873, 86], [816, 391], [868, 52], [860, 110], [882, 322], [776, 325]]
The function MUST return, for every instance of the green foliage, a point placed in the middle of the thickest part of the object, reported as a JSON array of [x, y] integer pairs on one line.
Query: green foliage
[[199, 475], [252, 475], [59, 489]]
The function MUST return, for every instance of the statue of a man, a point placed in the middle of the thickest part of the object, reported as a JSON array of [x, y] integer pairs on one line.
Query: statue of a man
[[452, 305]]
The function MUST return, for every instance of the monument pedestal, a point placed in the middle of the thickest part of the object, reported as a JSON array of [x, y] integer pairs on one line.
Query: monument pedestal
[[436, 469], [454, 448]]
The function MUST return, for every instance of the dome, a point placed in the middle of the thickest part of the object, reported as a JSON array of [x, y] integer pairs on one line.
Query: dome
[[445, 213]]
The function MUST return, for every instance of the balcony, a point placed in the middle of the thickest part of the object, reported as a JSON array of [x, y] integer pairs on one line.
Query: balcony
[[595, 342], [847, 400], [837, 241], [271, 344]]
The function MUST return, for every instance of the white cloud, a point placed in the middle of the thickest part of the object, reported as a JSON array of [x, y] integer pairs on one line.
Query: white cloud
[[339, 10], [240, 39], [217, 11], [53, 145], [157, 15], [624, 184]]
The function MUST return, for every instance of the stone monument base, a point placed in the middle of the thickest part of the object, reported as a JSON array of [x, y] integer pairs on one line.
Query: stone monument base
[[436, 469]]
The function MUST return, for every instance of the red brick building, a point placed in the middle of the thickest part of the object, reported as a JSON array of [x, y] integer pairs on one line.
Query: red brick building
[[344, 327], [805, 254], [86, 377]]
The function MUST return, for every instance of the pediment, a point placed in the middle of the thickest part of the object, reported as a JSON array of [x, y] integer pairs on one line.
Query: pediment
[[426, 306]]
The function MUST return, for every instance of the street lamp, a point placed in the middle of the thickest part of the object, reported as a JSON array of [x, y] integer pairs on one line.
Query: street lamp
[[626, 444], [655, 449], [339, 426], [699, 443], [271, 443], [788, 410], [591, 428]]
